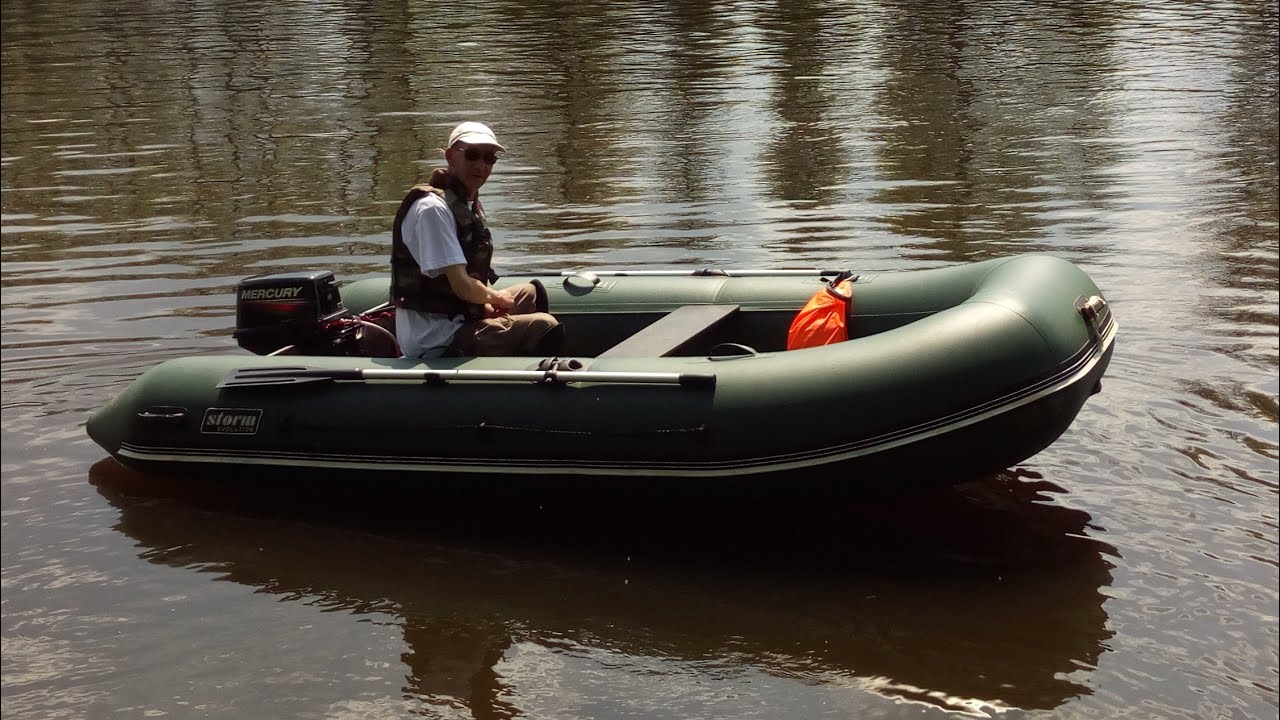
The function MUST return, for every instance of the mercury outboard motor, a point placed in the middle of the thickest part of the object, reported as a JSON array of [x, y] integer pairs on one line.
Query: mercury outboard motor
[[302, 310]]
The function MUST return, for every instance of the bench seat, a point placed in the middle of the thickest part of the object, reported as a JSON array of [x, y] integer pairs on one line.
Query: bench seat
[[672, 331]]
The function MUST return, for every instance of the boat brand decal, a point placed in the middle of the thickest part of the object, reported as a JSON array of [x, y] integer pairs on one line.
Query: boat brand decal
[[230, 421], [276, 293]]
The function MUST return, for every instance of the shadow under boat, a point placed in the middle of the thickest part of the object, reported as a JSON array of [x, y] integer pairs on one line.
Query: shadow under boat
[[977, 597]]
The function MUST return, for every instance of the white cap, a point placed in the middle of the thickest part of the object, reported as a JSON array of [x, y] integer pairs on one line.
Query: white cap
[[473, 133]]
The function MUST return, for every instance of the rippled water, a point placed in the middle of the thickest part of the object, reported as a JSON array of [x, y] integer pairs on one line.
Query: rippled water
[[153, 154]]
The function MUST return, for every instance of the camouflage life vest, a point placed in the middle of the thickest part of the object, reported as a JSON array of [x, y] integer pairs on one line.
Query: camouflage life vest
[[409, 287]]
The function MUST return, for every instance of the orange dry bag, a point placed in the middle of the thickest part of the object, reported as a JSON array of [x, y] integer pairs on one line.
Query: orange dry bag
[[824, 319]]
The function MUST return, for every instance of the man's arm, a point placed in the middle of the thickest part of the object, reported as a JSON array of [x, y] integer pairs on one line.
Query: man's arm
[[432, 238], [473, 291]]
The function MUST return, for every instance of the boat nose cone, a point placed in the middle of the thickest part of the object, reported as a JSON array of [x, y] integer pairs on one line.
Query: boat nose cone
[[104, 428]]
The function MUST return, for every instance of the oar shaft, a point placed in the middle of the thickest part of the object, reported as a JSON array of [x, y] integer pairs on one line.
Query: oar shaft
[[781, 272], [248, 377], [568, 376], [526, 375]]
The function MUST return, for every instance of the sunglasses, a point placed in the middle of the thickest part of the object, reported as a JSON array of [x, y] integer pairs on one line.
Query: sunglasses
[[473, 154]]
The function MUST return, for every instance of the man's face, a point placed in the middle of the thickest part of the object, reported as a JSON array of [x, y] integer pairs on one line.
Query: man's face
[[471, 164]]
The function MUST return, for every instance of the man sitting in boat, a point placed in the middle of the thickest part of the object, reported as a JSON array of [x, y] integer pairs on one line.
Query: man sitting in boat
[[441, 266]]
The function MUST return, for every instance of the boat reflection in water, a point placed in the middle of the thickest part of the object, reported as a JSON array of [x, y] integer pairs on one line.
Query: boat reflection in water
[[975, 598]]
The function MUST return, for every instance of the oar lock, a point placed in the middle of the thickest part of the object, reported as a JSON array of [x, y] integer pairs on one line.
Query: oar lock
[[553, 365], [1092, 309]]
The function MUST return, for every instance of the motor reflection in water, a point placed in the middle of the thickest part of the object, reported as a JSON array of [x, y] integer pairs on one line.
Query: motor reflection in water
[[977, 598]]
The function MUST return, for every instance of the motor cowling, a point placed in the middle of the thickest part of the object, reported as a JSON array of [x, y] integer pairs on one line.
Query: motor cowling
[[299, 309]]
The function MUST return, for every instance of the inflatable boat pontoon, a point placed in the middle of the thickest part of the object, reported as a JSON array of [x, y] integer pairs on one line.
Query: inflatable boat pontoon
[[666, 376]]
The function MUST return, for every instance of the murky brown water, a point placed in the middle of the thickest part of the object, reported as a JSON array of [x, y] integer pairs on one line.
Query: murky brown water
[[153, 154]]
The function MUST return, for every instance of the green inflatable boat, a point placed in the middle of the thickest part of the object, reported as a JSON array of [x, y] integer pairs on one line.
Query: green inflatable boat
[[667, 378]]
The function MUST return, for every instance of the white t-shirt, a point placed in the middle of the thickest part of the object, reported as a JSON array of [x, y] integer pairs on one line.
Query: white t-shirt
[[430, 233]]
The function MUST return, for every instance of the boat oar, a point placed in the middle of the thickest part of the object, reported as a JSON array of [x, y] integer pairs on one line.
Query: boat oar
[[265, 376], [704, 272]]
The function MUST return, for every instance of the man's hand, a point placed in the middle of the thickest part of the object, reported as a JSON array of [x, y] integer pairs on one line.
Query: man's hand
[[501, 301]]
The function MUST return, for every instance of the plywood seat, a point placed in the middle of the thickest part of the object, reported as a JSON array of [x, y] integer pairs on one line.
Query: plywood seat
[[672, 331]]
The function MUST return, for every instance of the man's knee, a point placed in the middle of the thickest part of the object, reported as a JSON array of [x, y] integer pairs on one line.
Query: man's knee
[[541, 302], [530, 297]]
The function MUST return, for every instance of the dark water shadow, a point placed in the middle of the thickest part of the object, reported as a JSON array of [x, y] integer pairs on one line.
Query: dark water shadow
[[976, 598]]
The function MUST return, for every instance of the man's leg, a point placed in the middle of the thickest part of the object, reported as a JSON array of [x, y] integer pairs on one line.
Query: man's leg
[[535, 333]]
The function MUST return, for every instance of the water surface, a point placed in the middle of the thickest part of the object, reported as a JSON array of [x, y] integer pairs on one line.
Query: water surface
[[153, 154]]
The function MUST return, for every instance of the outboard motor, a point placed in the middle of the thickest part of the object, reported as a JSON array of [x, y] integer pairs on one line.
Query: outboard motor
[[300, 309]]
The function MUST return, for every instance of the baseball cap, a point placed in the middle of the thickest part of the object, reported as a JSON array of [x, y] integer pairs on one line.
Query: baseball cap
[[473, 133]]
